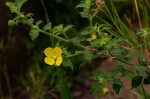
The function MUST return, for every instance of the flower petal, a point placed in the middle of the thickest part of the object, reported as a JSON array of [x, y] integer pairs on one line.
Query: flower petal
[[58, 61], [49, 61], [48, 51], [57, 51]]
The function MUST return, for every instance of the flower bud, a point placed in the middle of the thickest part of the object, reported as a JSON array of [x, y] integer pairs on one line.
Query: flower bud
[[11, 22]]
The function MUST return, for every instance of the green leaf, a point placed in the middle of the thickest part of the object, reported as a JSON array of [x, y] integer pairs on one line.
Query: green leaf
[[88, 55], [86, 5], [12, 6], [96, 43], [67, 28], [136, 81], [147, 80], [145, 63], [15, 7], [118, 68], [19, 3], [126, 72], [86, 31], [67, 63], [48, 26], [78, 52], [116, 51], [38, 22], [141, 70], [100, 76], [31, 20], [95, 87], [117, 85], [57, 29], [34, 33], [112, 74], [81, 5], [116, 88], [77, 40]]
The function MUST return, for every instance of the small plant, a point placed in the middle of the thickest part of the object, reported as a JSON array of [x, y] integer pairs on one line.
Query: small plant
[[108, 37]]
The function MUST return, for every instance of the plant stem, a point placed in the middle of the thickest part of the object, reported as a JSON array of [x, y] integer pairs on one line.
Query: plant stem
[[65, 93], [50, 34]]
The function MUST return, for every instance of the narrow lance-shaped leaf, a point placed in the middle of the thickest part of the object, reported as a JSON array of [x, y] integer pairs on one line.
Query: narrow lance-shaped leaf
[[38, 22], [67, 28]]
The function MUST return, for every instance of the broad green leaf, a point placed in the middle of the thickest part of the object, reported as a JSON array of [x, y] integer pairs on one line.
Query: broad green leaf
[[86, 31], [126, 72], [136, 81], [31, 20], [96, 43], [81, 5], [118, 68], [117, 85], [116, 88], [48, 26], [147, 80], [145, 63], [78, 52], [19, 3], [57, 29], [34, 33], [67, 63], [114, 42], [122, 70], [95, 87], [116, 51], [86, 5], [77, 40], [88, 55], [100, 76], [67, 28], [141, 70], [112, 75]]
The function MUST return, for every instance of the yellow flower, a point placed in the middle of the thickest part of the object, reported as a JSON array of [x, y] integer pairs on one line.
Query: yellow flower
[[53, 56]]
